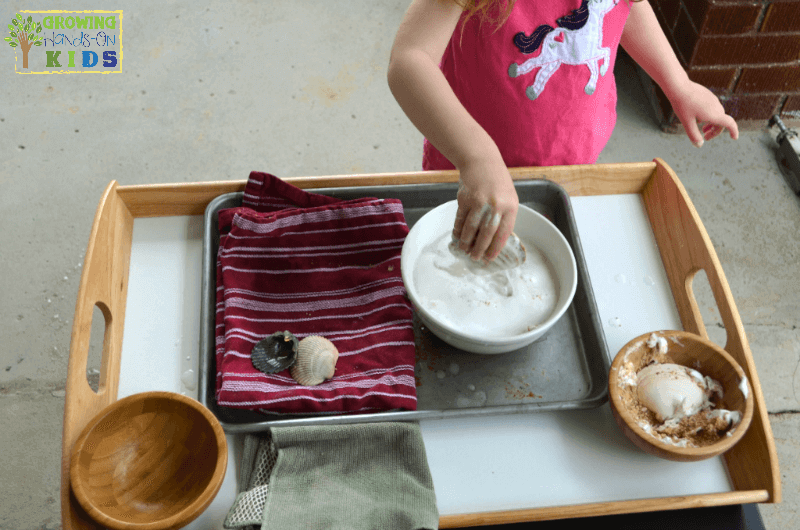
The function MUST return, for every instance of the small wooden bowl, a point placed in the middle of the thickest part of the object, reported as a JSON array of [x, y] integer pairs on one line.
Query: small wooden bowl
[[695, 352], [150, 461]]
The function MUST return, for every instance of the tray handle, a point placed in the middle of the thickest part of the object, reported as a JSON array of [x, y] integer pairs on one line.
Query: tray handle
[[104, 283], [686, 249]]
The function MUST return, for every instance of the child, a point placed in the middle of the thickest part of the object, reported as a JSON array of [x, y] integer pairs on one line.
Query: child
[[494, 84]]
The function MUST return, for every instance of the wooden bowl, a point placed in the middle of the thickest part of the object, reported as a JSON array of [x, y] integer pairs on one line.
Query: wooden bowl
[[150, 461], [695, 352]]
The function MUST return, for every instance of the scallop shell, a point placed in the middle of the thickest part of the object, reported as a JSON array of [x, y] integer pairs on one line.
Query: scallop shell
[[275, 353], [671, 390], [316, 361], [513, 253]]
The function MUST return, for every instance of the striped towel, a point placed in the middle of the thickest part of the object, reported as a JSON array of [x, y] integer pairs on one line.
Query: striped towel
[[314, 265]]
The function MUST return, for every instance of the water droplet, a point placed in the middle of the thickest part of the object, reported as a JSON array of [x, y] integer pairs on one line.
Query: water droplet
[[189, 380], [471, 388], [475, 400], [441, 374], [649, 280], [66, 278], [454, 368], [188, 357], [616, 322], [49, 301], [620, 278], [55, 316]]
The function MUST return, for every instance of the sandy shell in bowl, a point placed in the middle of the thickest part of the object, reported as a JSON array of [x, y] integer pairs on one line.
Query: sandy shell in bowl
[[316, 361], [694, 354]]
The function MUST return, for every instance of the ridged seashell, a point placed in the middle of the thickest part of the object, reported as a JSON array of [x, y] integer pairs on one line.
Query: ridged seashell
[[671, 390], [316, 361], [275, 353], [513, 253]]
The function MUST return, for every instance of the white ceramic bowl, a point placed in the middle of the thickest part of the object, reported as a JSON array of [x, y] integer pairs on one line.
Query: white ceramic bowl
[[531, 227]]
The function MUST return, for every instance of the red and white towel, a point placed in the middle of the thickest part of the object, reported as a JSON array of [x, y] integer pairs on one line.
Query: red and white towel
[[314, 265]]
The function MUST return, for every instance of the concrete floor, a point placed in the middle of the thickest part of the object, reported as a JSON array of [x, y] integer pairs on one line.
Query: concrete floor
[[212, 90]]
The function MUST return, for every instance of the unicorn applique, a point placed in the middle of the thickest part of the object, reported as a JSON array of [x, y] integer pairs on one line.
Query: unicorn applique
[[577, 40]]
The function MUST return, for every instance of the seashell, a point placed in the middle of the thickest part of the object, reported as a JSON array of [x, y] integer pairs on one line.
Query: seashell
[[275, 353], [512, 255], [316, 361], [671, 391]]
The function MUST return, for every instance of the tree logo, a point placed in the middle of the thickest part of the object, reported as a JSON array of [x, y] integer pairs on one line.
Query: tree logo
[[24, 32], [67, 42]]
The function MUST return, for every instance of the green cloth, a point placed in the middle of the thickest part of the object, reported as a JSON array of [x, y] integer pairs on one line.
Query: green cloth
[[370, 476]]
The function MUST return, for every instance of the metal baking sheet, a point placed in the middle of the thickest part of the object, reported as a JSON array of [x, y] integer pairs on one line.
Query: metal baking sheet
[[566, 369]]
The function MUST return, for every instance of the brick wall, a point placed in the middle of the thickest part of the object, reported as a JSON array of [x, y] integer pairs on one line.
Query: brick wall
[[745, 51]]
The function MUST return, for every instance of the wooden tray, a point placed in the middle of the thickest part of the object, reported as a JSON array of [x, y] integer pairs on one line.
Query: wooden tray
[[683, 243]]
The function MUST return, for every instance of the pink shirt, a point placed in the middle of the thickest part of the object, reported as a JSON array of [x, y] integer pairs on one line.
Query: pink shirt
[[542, 85]]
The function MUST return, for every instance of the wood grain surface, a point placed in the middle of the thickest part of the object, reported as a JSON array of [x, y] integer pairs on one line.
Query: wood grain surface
[[686, 249], [150, 461], [104, 283], [601, 508], [161, 200]]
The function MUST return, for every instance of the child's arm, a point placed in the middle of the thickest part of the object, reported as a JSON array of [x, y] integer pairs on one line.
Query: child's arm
[[645, 42], [487, 200]]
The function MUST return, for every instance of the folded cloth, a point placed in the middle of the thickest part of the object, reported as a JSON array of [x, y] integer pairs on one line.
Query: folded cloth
[[370, 476], [314, 265]]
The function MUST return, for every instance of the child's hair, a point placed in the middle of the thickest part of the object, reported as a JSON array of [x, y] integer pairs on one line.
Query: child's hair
[[495, 11]]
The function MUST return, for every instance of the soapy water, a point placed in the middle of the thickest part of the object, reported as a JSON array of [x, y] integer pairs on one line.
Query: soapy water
[[481, 299]]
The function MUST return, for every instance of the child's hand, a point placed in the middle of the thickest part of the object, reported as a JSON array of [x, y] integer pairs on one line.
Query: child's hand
[[695, 105], [487, 209]]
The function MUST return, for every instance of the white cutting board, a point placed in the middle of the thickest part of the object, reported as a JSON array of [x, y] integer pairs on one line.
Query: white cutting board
[[478, 464]]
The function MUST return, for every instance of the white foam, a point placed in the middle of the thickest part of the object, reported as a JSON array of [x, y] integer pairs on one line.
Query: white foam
[[485, 300], [744, 387]]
